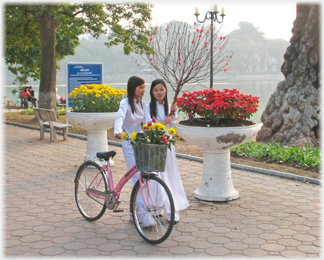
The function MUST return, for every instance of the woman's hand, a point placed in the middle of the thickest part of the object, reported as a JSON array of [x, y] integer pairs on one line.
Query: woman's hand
[[118, 136], [167, 120], [174, 107]]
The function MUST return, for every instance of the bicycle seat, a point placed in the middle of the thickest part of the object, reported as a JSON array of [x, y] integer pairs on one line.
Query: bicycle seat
[[106, 155]]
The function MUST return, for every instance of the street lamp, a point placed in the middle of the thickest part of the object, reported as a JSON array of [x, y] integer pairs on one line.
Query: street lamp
[[213, 17]]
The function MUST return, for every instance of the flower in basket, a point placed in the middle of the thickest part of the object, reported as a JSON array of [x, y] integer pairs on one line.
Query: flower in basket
[[212, 105], [153, 133], [96, 98]]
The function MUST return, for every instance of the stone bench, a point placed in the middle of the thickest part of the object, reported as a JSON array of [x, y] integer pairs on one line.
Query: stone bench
[[48, 118]]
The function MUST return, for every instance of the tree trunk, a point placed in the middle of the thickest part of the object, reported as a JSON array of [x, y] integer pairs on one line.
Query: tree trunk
[[47, 29], [292, 115]]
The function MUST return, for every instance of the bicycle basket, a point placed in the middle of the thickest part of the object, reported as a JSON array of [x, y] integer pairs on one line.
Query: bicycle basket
[[150, 157]]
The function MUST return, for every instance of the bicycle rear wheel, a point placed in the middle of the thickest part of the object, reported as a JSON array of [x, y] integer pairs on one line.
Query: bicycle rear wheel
[[147, 209], [90, 206]]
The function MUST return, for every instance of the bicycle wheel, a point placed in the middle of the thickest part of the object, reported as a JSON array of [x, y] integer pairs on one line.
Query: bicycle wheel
[[147, 209], [91, 207]]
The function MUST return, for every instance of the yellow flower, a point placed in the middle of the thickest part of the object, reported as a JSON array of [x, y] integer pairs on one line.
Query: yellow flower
[[123, 136], [83, 88], [159, 126], [133, 136], [172, 131], [97, 93]]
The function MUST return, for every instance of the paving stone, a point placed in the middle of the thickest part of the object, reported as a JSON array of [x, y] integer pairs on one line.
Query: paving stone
[[236, 245], [289, 242], [218, 240], [309, 249], [41, 244], [273, 247], [304, 238], [52, 251], [200, 244], [255, 252], [88, 252], [184, 238], [144, 248], [236, 234], [75, 246], [181, 250], [252, 231], [253, 241]]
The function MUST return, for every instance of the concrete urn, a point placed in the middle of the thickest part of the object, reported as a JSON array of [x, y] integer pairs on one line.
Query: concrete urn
[[216, 182], [96, 124]]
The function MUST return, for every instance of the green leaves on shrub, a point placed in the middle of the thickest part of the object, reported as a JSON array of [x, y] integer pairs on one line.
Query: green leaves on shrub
[[28, 111], [308, 157], [61, 110]]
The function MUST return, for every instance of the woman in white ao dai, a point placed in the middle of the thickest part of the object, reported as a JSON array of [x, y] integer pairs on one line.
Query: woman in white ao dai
[[132, 112], [171, 176]]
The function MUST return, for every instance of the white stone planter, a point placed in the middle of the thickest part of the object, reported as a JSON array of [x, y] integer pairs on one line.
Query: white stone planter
[[96, 124], [216, 183]]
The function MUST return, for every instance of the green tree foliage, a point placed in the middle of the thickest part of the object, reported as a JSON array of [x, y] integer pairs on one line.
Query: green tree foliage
[[113, 58], [37, 36], [254, 52]]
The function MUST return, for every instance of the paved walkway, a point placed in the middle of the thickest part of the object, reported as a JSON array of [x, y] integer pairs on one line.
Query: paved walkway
[[273, 217]]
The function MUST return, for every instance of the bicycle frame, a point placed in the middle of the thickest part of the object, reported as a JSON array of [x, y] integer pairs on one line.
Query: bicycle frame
[[109, 179]]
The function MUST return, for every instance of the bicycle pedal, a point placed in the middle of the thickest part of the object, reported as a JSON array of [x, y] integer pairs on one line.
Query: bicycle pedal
[[118, 210]]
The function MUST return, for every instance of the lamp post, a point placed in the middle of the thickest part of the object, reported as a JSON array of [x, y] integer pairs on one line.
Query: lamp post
[[211, 15]]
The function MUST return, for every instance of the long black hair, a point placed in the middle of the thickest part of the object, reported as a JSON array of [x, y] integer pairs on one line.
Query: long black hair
[[153, 110], [132, 84]]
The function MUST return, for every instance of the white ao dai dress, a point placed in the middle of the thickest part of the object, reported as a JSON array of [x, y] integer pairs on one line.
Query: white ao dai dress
[[171, 176], [128, 122]]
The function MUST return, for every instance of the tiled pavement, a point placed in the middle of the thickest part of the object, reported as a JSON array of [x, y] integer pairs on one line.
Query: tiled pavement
[[273, 217]]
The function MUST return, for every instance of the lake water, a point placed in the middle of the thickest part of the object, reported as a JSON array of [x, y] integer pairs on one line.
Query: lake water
[[260, 86]]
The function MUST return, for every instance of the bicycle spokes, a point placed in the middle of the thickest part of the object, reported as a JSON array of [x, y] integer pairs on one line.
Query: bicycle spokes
[[150, 197], [89, 185]]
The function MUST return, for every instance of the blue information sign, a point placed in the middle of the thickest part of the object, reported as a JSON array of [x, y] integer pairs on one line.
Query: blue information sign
[[82, 73]]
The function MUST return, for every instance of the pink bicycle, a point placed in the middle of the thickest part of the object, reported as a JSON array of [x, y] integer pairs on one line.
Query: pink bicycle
[[95, 191]]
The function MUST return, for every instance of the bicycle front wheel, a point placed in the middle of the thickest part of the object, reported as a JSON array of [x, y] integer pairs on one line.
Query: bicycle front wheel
[[153, 209], [91, 206]]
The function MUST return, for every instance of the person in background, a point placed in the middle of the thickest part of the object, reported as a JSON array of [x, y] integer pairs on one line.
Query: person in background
[[59, 99], [160, 110], [31, 96], [24, 97]]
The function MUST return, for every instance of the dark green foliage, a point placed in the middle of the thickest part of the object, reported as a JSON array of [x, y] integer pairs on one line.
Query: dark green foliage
[[34, 31], [308, 157]]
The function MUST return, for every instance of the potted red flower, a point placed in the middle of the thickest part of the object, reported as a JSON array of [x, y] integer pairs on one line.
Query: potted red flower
[[217, 121], [217, 108]]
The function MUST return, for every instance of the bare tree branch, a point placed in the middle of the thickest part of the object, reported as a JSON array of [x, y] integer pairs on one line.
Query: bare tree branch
[[181, 54]]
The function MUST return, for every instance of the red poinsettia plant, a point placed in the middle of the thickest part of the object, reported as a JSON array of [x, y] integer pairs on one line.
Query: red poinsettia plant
[[215, 104]]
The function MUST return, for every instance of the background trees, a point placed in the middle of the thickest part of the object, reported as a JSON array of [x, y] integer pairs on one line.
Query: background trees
[[39, 35], [267, 58], [253, 52]]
